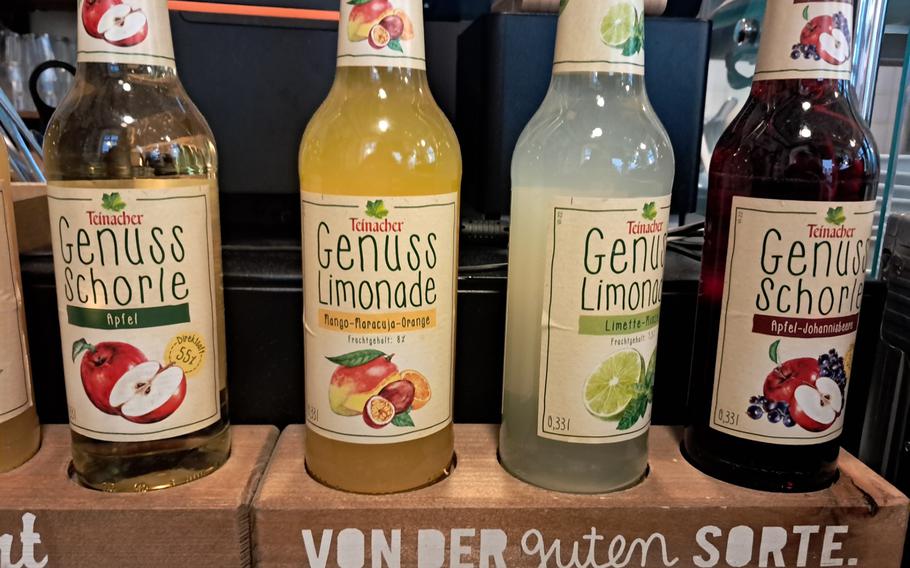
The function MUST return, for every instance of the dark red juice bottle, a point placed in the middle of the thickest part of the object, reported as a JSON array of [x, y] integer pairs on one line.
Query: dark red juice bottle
[[791, 198]]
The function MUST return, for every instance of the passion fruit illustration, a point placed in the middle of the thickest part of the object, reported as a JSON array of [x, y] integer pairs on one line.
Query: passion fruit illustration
[[378, 412], [394, 25], [379, 36], [400, 394]]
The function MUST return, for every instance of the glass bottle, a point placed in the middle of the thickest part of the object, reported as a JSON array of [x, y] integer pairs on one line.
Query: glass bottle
[[791, 199], [591, 181], [380, 172], [20, 433], [133, 201]]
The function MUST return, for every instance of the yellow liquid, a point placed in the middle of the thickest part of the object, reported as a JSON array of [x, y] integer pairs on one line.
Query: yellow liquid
[[379, 132], [20, 436], [164, 143]]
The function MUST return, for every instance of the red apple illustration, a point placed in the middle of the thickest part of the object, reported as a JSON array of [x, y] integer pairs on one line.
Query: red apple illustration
[[123, 25], [782, 382], [816, 408], [92, 11], [102, 366], [830, 40], [351, 387], [149, 393]]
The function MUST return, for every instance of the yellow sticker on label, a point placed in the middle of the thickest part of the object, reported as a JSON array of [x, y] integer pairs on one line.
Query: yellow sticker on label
[[187, 351]]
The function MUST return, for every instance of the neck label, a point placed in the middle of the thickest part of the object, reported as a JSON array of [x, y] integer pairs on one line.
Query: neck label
[[806, 39], [135, 32], [600, 36], [381, 33], [15, 386]]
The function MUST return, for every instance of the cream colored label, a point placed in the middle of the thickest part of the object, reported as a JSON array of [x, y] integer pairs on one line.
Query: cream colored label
[[602, 291], [124, 31], [600, 35], [15, 381], [136, 289], [381, 33], [792, 290], [379, 315], [806, 39]]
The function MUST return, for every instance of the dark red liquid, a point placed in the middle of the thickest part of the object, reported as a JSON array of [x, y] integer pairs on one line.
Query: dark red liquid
[[795, 139]]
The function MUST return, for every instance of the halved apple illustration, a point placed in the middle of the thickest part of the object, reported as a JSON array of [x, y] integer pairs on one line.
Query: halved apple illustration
[[830, 37], [102, 366], [119, 380], [118, 22], [816, 408], [149, 393]]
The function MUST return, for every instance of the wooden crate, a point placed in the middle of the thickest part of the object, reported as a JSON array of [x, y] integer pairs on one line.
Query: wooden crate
[[480, 516], [200, 524], [33, 229]]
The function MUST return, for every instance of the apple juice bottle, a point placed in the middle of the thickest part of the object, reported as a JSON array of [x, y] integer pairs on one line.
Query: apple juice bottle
[[380, 171], [591, 180], [20, 434], [133, 202], [791, 198]]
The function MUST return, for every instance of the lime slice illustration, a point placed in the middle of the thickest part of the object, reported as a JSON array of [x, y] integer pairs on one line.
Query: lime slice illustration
[[613, 385], [618, 25]]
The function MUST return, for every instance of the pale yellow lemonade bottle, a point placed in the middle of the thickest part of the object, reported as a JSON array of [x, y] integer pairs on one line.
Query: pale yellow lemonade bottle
[[20, 434], [380, 171], [133, 201]]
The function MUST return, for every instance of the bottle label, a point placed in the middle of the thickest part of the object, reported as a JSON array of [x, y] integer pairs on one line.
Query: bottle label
[[602, 292], [379, 315], [136, 295], [600, 36], [806, 39], [15, 383], [792, 291], [381, 33], [125, 31]]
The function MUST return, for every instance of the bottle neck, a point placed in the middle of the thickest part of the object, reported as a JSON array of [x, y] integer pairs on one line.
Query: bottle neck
[[130, 35], [382, 34], [805, 40], [600, 36]]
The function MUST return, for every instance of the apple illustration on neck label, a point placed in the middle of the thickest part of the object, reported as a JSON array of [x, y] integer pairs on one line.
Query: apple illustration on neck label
[[118, 22], [825, 37], [119, 380]]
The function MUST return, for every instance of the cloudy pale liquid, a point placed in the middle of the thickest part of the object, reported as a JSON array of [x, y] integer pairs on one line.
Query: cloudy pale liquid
[[594, 136]]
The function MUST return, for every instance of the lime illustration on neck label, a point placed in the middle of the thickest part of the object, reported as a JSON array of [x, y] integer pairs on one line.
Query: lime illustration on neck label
[[600, 36], [15, 385], [136, 289], [602, 293], [381, 32]]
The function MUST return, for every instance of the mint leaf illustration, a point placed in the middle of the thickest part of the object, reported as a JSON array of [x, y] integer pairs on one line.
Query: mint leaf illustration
[[772, 352], [376, 208], [403, 419], [835, 216], [806, 13], [357, 358], [112, 202], [358, 2], [633, 412], [395, 45], [649, 211]]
